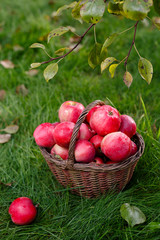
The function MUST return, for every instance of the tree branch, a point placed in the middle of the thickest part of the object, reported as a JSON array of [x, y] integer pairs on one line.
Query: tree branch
[[135, 30], [81, 38]]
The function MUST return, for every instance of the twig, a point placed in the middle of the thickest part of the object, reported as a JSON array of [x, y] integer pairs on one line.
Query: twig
[[135, 26], [81, 38]]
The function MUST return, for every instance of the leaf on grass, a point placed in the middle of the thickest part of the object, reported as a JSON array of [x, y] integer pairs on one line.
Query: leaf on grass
[[35, 65], [50, 71], [2, 94], [112, 69], [32, 72], [61, 9], [21, 89], [136, 10], [132, 214], [145, 69], [7, 64], [17, 48], [5, 138], [92, 11], [74, 39], [94, 55], [107, 62], [10, 129], [154, 225], [128, 79], [57, 32], [37, 45], [6, 184]]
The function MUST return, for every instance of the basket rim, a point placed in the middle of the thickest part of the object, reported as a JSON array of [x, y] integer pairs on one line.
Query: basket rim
[[95, 167]]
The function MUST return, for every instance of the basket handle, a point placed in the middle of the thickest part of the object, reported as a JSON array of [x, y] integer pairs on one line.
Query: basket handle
[[71, 160]]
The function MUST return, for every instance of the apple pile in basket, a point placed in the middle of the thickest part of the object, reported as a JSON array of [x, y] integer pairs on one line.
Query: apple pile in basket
[[104, 137]]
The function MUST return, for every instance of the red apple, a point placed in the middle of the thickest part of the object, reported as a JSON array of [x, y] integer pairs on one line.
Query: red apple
[[128, 125], [133, 148], [70, 111], [61, 151], [116, 146], [84, 151], [98, 160], [88, 117], [63, 132], [110, 162], [105, 119], [85, 132], [43, 135], [96, 141], [22, 211]]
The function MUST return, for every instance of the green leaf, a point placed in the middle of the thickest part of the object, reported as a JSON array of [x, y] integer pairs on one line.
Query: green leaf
[[145, 69], [11, 129], [132, 214], [109, 40], [92, 11], [50, 71], [156, 4], [61, 9], [136, 10], [115, 8], [128, 79], [76, 11], [35, 65], [94, 55], [112, 69], [154, 225], [105, 64], [57, 32], [37, 45], [60, 51]]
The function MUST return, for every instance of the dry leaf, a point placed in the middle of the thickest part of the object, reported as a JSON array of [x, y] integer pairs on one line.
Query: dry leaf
[[11, 129], [17, 48], [5, 138], [6, 184], [7, 64], [32, 72], [21, 89], [2, 94], [74, 39]]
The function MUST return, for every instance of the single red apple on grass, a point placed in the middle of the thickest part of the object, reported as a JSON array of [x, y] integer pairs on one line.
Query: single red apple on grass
[[22, 211], [70, 111], [116, 146], [105, 119], [43, 135], [63, 132], [84, 151], [61, 151], [128, 125]]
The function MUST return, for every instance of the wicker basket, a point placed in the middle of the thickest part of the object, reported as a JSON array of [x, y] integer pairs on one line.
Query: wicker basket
[[92, 180]]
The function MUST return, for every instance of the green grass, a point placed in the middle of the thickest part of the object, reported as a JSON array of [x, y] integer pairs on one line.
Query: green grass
[[61, 215]]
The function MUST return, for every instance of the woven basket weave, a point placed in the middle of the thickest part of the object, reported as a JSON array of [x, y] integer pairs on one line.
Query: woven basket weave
[[92, 180]]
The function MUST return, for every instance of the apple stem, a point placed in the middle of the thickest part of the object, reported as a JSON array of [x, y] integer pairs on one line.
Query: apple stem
[[62, 56], [133, 42]]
